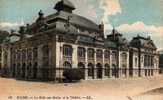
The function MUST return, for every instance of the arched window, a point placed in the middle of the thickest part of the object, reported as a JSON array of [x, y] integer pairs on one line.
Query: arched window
[[67, 65], [114, 57], [107, 54], [124, 63], [81, 52], [45, 51], [124, 59], [29, 53], [136, 62], [99, 54], [35, 53], [18, 55], [67, 50], [91, 53], [23, 55]]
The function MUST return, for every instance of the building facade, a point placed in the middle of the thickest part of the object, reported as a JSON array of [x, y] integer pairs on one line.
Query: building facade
[[65, 40]]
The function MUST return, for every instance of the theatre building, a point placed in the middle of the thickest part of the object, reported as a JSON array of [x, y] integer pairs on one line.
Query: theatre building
[[65, 40]]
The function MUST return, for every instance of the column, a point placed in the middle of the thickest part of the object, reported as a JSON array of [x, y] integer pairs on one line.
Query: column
[[119, 64], [95, 67], [86, 64], [103, 64], [59, 58], [40, 56], [53, 58], [111, 63], [74, 57]]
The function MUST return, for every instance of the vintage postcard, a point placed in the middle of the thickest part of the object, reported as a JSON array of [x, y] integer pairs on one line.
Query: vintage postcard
[[81, 50]]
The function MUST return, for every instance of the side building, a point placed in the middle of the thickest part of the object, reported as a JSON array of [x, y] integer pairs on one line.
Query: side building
[[64, 40]]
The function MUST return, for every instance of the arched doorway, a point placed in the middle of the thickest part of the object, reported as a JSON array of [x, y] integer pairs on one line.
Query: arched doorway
[[29, 70], [82, 67], [23, 70], [45, 68], [99, 71], [124, 64], [115, 72], [107, 70], [91, 70], [13, 70], [35, 71]]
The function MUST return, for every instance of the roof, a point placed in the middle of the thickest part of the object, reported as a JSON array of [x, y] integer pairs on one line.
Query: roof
[[74, 19], [140, 41], [110, 44], [64, 3], [117, 37]]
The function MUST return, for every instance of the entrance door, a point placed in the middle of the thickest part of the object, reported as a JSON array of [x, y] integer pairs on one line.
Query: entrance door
[[23, 70], [35, 71], [115, 71], [99, 71], [82, 67]]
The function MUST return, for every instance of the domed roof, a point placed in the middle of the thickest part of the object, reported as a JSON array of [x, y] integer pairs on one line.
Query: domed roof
[[64, 4]]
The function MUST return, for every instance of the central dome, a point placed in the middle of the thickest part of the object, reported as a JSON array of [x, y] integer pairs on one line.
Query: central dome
[[64, 5]]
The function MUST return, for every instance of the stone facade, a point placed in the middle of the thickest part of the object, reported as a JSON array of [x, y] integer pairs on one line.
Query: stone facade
[[65, 40]]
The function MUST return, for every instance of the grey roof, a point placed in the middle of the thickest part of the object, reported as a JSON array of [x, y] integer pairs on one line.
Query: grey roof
[[75, 20], [142, 42], [110, 44], [117, 38]]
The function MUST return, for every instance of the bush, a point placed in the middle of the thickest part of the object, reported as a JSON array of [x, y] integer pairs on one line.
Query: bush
[[73, 74]]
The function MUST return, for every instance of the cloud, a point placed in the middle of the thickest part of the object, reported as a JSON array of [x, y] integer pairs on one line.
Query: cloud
[[110, 7], [140, 27], [9, 25], [155, 32], [86, 9]]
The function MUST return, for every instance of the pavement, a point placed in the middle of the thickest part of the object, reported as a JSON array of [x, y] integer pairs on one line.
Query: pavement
[[150, 88]]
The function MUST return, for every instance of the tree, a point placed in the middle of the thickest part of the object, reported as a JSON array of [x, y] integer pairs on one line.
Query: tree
[[3, 35]]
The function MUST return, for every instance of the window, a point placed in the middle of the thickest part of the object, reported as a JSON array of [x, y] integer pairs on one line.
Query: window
[[24, 55], [67, 50], [99, 54], [81, 52], [114, 58], [107, 70], [35, 55], [45, 51], [107, 54], [136, 62], [124, 58], [124, 70], [90, 53], [18, 55], [29, 53]]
